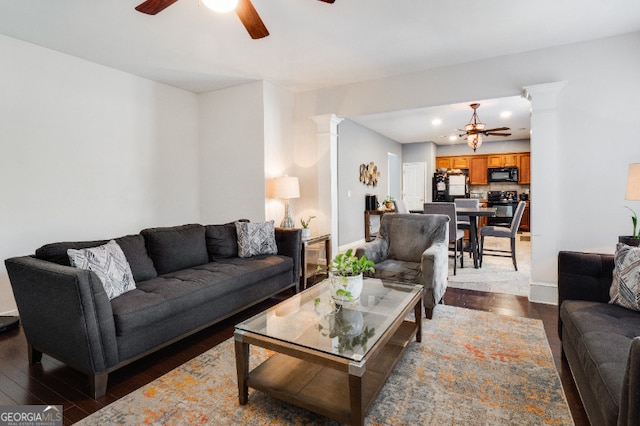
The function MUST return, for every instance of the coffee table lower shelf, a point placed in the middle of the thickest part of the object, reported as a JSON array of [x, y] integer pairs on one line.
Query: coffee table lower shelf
[[326, 390]]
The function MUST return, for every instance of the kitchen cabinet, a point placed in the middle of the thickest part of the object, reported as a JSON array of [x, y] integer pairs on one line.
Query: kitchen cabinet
[[478, 170], [502, 160], [460, 162], [524, 169], [525, 222], [443, 163]]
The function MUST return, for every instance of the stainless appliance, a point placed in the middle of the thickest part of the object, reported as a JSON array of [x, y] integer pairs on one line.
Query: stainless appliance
[[451, 184], [503, 174], [505, 203]]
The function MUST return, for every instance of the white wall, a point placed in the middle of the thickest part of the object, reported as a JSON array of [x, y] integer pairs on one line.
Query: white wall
[[232, 154], [88, 152], [358, 145], [595, 112]]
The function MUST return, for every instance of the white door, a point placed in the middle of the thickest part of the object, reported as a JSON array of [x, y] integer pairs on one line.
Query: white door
[[414, 184]]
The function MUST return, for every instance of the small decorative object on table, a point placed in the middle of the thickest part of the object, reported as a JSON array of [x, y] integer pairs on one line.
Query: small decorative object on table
[[306, 231], [388, 202], [345, 276]]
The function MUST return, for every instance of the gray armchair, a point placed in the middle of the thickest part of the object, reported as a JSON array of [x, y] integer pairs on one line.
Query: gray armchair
[[412, 248]]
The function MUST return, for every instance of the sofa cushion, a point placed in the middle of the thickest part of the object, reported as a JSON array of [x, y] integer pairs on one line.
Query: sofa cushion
[[397, 270], [600, 334], [222, 240], [625, 287], [173, 293], [133, 247], [109, 263], [177, 247], [256, 238]]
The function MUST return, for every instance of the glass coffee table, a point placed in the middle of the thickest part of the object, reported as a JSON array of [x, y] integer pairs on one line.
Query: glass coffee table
[[331, 359]]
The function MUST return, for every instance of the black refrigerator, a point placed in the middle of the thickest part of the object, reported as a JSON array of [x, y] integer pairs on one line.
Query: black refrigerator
[[449, 185]]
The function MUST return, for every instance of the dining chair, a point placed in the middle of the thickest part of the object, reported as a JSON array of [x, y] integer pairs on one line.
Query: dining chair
[[464, 222], [503, 232], [455, 235], [400, 206]]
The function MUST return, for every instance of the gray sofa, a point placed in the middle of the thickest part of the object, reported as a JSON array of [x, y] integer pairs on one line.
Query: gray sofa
[[187, 278], [599, 340], [412, 248]]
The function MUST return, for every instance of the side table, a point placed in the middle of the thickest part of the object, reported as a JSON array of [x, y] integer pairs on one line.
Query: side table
[[305, 271]]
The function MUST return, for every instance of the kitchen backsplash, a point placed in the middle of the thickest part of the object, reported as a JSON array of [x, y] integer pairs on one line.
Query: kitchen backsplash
[[497, 186]]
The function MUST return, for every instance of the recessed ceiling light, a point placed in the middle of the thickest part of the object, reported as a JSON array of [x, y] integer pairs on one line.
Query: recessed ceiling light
[[436, 122], [505, 114], [453, 138]]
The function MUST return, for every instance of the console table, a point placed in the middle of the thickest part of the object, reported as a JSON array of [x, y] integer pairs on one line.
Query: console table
[[305, 271], [368, 235]]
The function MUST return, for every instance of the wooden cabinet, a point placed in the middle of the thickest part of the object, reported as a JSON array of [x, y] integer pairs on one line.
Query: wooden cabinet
[[502, 160], [460, 162], [494, 161], [524, 168], [525, 222], [478, 165], [478, 170], [443, 163]]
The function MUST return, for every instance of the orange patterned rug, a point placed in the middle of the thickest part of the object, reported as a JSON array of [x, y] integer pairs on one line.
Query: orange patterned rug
[[472, 368]]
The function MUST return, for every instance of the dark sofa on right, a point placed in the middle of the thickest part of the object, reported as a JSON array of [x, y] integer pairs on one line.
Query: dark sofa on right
[[599, 340]]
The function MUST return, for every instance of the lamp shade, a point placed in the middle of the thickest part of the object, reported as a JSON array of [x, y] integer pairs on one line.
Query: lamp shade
[[285, 187], [633, 182]]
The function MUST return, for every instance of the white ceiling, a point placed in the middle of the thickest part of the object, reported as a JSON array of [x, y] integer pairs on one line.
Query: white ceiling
[[313, 44]]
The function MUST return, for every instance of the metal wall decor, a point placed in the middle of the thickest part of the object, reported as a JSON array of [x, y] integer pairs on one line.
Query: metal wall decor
[[369, 174]]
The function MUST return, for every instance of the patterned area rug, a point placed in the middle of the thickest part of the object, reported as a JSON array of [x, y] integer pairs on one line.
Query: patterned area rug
[[472, 368], [497, 274]]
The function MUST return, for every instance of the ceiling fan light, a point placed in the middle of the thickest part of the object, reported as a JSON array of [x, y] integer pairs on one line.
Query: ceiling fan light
[[474, 141], [221, 6]]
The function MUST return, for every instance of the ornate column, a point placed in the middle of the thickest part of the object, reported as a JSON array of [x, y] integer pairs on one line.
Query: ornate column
[[545, 197], [327, 166]]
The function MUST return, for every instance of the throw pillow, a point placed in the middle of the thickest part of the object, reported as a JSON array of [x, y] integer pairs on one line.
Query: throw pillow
[[256, 238], [109, 264], [625, 288]]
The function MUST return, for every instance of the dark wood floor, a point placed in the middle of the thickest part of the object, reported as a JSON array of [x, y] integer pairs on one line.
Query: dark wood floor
[[56, 384]]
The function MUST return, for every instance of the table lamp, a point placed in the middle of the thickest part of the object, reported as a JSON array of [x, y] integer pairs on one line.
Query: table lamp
[[633, 182], [286, 187]]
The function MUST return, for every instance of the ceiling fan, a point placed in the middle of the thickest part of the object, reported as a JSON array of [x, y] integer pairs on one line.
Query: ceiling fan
[[474, 130], [245, 11]]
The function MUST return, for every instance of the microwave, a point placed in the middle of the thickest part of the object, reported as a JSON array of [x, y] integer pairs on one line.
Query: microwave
[[503, 174]]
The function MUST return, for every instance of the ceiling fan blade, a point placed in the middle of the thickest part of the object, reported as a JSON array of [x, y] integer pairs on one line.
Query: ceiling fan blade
[[329, 1], [151, 7], [497, 129], [497, 134], [251, 20]]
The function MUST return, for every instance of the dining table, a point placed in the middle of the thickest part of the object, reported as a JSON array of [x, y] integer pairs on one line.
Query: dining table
[[474, 213]]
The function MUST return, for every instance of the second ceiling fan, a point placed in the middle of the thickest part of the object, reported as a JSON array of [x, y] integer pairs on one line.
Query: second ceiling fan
[[245, 11]]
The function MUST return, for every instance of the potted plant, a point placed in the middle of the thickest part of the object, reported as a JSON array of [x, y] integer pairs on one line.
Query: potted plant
[[388, 202], [345, 276], [306, 231], [634, 238]]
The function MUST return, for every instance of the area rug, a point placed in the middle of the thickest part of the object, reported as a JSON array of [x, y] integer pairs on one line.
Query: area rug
[[472, 368], [497, 274]]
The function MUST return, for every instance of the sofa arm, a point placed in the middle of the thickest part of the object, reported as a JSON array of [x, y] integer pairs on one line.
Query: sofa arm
[[435, 270], [289, 242], [629, 413], [376, 250], [64, 312], [583, 276]]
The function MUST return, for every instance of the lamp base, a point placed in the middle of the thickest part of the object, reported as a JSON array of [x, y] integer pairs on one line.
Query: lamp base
[[287, 222]]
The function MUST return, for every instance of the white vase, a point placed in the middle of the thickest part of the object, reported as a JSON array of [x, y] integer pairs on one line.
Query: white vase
[[345, 290], [306, 233]]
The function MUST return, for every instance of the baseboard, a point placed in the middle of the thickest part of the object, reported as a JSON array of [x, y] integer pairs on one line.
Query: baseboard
[[546, 293], [354, 245]]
